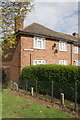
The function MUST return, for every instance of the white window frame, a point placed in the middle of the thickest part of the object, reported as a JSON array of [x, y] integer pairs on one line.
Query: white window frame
[[63, 44], [76, 49], [62, 62], [36, 43], [43, 62]]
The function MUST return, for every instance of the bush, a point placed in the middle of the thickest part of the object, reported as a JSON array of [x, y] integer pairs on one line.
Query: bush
[[64, 78]]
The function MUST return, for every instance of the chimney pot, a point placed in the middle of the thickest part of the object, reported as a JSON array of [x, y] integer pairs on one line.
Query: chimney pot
[[75, 34]]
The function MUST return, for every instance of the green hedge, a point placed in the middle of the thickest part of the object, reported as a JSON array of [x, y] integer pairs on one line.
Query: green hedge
[[64, 78]]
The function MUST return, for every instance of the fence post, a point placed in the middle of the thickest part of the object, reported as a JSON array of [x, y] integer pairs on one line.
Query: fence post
[[75, 96], [52, 88], [36, 87], [26, 85], [32, 92], [62, 98], [11, 85], [78, 109], [17, 88]]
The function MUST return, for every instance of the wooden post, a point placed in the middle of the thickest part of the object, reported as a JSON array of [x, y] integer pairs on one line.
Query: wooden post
[[62, 98], [17, 88], [52, 89], [75, 96], [78, 109], [11, 85], [36, 87], [32, 93]]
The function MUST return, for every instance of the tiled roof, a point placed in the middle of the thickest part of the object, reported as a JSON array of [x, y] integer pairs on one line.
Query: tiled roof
[[40, 29]]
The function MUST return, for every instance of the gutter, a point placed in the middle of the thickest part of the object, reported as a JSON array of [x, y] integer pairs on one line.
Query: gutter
[[46, 36]]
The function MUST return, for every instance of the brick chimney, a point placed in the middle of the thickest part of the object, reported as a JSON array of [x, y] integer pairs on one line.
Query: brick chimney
[[19, 23]]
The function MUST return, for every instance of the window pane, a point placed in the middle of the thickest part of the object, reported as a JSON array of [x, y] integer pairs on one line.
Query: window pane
[[35, 43], [61, 45], [35, 62], [39, 44], [63, 62], [43, 62], [43, 43], [39, 62], [75, 49]]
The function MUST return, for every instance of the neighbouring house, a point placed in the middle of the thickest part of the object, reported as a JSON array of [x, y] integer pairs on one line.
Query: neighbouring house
[[36, 45]]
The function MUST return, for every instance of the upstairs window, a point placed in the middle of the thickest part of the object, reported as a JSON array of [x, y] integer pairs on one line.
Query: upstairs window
[[63, 62], [39, 62], [76, 49], [62, 46], [39, 43]]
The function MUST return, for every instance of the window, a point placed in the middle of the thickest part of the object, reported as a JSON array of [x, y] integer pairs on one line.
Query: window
[[62, 46], [39, 43], [39, 62], [62, 62], [77, 62], [76, 49]]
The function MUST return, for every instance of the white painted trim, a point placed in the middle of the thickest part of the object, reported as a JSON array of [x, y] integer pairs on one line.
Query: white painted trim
[[28, 49], [60, 45], [38, 61], [61, 62], [76, 52], [36, 47]]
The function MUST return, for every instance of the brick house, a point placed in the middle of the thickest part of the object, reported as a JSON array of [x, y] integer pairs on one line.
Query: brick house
[[37, 45]]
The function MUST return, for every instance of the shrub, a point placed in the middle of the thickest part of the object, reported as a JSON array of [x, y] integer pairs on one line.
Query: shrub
[[64, 78]]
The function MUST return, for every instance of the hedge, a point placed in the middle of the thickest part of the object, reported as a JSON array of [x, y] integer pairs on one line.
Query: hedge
[[64, 77]]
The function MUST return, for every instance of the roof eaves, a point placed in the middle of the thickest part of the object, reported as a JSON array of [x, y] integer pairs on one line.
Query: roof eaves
[[47, 36]]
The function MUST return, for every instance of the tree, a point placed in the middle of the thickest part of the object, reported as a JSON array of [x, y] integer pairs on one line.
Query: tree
[[9, 12]]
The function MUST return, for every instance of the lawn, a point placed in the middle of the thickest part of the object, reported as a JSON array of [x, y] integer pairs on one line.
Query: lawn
[[16, 106], [0, 103]]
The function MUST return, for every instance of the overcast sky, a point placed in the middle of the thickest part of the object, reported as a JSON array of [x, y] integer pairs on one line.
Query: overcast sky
[[59, 16]]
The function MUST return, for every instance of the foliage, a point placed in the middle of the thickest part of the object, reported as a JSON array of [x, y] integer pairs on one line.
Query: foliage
[[9, 12], [64, 78]]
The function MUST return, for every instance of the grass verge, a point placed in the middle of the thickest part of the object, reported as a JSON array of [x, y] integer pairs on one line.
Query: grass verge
[[16, 106]]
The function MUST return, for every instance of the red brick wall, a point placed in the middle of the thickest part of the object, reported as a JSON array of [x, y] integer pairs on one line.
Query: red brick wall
[[21, 58], [46, 54], [26, 43], [15, 64], [6, 67]]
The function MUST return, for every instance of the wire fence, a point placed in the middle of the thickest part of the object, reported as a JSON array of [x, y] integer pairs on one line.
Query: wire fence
[[51, 91]]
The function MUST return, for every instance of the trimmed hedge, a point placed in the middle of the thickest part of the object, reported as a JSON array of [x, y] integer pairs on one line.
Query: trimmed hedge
[[63, 76]]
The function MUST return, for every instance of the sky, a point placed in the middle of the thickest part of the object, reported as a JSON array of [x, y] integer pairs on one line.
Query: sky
[[59, 16]]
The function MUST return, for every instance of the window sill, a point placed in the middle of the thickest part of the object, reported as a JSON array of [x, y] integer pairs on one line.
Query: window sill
[[63, 50], [76, 53], [40, 48]]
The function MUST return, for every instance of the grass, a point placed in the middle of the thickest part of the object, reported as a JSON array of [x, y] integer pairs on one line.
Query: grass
[[0, 100], [15, 106], [68, 104], [0, 105]]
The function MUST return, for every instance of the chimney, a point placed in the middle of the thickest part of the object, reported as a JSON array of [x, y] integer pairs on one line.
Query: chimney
[[19, 23], [75, 34]]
